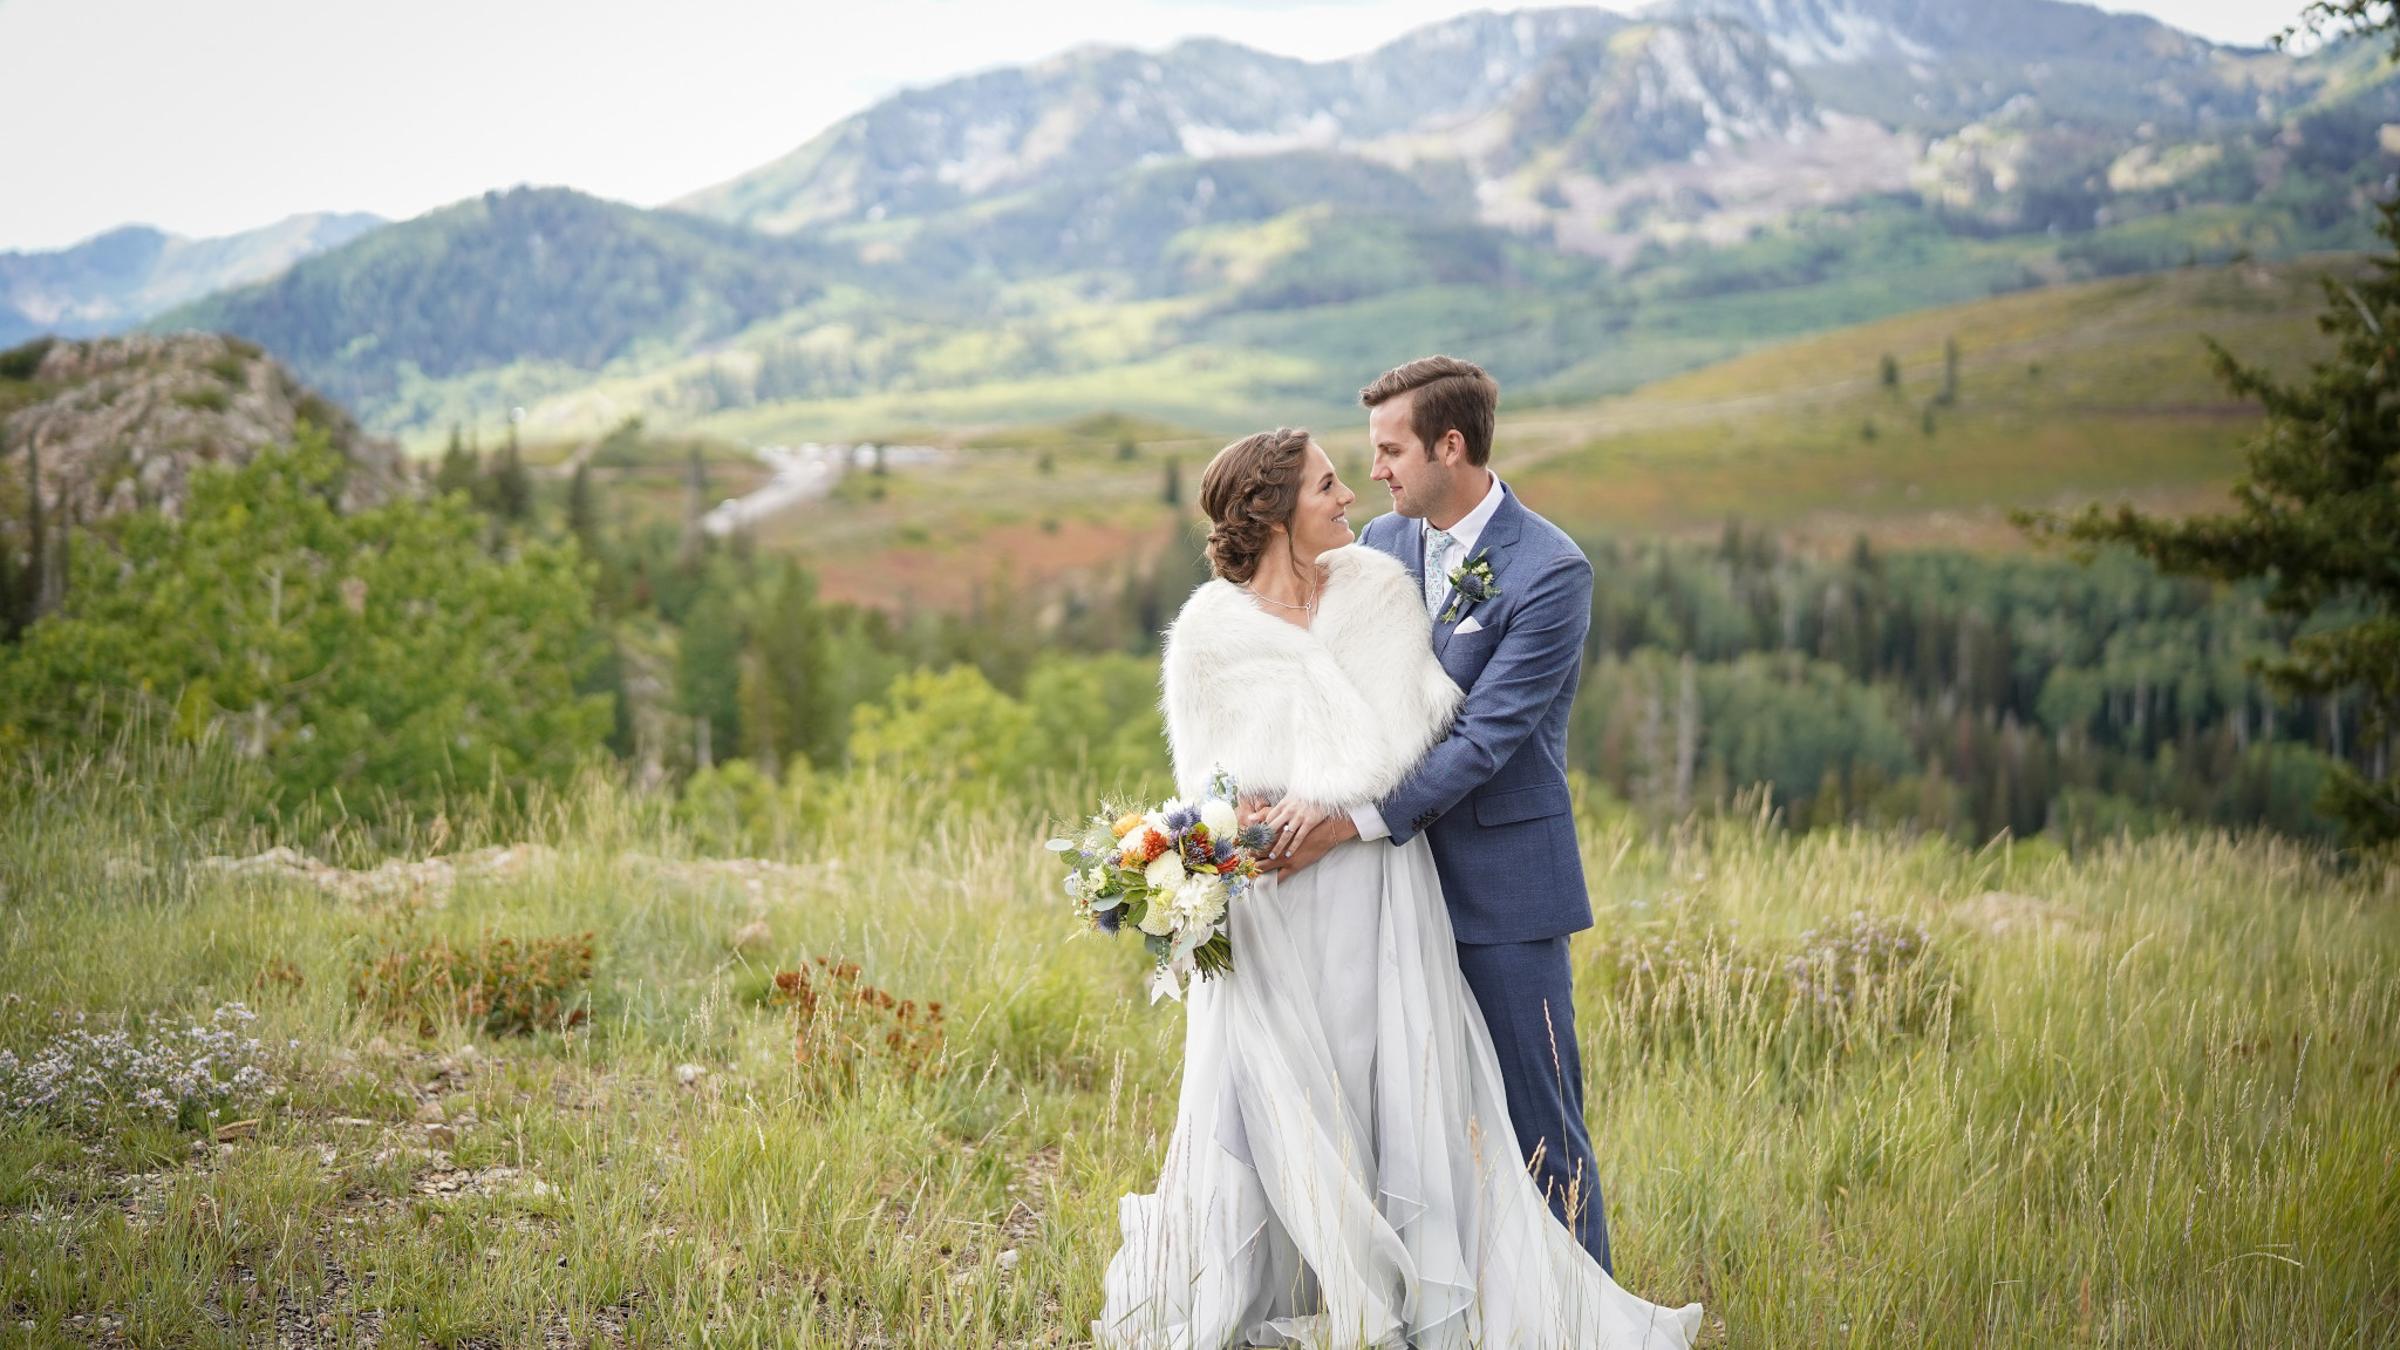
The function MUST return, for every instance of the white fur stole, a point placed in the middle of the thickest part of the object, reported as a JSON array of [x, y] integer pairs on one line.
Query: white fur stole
[[1335, 714]]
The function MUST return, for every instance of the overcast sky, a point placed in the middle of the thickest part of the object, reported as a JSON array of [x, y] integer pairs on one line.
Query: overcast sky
[[209, 118]]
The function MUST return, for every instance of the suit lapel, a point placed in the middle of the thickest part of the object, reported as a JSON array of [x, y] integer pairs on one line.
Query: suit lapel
[[1492, 546]]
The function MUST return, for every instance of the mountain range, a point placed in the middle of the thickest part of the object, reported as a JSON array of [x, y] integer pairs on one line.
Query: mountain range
[[119, 278], [1584, 198]]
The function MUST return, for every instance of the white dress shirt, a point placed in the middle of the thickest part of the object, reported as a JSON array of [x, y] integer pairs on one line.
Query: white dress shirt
[[1469, 529]]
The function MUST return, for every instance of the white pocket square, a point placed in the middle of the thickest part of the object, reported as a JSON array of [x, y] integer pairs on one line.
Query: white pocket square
[[1469, 624]]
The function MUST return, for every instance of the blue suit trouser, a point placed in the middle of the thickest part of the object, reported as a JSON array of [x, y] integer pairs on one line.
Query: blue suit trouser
[[1526, 992]]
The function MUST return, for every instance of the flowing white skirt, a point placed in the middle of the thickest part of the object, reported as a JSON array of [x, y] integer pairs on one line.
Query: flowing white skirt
[[1342, 1171]]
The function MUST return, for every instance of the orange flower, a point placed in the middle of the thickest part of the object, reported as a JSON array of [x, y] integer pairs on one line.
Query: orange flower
[[1125, 825]]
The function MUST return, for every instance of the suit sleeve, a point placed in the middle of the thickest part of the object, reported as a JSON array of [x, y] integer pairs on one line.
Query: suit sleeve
[[1536, 660]]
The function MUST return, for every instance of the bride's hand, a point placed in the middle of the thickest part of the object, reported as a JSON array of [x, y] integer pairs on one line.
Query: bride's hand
[[1290, 822]]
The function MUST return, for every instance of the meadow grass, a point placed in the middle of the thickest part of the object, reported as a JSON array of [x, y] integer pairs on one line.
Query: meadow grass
[[2157, 1104]]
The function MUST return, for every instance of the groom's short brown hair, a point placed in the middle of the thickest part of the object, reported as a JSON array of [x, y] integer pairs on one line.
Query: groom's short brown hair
[[1452, 395]]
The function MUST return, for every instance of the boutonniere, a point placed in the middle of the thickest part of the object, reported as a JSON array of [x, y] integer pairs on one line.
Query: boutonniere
[[1471, 584]]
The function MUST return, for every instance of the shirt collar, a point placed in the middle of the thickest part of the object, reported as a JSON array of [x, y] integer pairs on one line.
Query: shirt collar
[[1470, 526]]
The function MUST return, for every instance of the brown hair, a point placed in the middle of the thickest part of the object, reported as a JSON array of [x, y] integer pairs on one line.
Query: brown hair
[[1251, 486], [1452, 395]]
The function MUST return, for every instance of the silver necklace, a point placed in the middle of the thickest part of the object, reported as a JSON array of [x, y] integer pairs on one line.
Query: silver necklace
[[1308, 606]]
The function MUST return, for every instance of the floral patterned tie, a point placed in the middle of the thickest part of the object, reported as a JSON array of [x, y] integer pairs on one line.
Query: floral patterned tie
[[1437, 572]]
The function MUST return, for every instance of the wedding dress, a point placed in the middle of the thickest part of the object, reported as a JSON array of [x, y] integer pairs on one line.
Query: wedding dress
[[1342, 1171]]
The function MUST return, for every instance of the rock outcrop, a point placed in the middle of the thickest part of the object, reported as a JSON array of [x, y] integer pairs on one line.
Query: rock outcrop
[[120, 423]]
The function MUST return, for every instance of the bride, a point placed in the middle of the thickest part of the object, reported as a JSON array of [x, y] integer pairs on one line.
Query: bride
[[1342, 1171]]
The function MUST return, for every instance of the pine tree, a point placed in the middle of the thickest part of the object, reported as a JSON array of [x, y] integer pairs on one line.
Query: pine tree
[[37, 551], [583, 514], [1172, 492], [708, 674], [8, 592], [512, 487], [788, 704], [459, 470], [1891, 372], [695, 508], [2315, 519]]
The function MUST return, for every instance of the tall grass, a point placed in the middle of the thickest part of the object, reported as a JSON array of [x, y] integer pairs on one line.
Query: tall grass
[[2148, 1095]]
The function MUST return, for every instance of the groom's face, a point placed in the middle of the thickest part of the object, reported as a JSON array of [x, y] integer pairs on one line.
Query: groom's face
[[1422, 482]]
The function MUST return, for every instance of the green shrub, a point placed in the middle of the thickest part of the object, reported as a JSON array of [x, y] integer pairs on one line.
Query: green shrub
[[385, 654], [21, 361]]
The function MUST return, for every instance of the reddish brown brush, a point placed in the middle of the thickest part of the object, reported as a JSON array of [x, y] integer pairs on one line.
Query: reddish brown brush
[[500, 984], [845, 1027]]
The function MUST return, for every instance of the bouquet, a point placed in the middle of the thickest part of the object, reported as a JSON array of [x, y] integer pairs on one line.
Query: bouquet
[[1173, 872]]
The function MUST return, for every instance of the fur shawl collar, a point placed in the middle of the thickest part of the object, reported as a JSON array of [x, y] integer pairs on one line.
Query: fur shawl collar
[[1335, 714]]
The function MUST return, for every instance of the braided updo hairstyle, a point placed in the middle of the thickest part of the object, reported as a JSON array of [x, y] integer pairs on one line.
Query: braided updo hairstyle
[[1251, 486]]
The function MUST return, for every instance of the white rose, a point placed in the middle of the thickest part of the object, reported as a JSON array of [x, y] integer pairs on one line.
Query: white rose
[[1164, 873], [1218, 816]]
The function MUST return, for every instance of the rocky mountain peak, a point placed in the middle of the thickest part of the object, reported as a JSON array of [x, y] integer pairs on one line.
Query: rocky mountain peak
[[1655, 93], [1846, 32], [1101, 110]]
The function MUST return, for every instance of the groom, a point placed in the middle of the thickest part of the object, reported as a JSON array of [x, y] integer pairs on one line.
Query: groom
[[1511, 597]]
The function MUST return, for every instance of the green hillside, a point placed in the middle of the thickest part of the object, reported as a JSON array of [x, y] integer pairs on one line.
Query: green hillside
[[2103, 389], [541, 279]]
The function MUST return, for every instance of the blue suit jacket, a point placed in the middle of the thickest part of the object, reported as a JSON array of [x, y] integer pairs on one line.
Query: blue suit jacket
[[1491, 799]]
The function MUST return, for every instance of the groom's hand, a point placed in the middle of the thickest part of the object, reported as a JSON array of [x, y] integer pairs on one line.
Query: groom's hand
[[1313, 843]]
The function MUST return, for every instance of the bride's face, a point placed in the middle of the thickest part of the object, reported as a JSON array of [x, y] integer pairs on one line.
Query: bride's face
[[1321, 519]]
